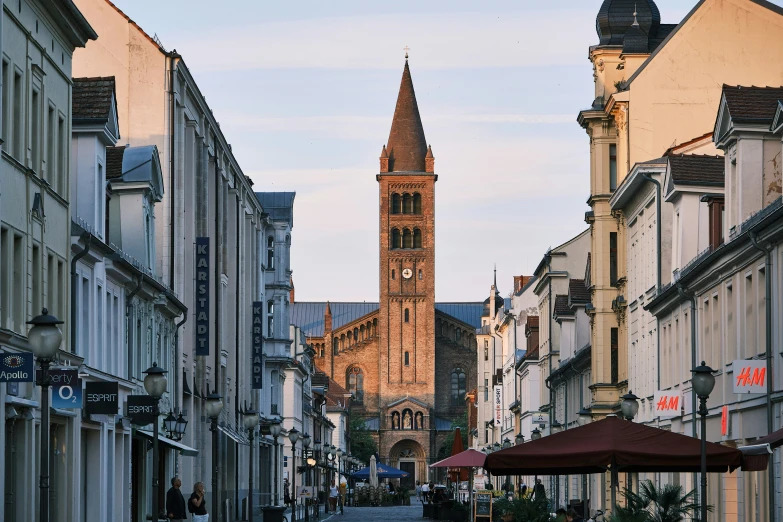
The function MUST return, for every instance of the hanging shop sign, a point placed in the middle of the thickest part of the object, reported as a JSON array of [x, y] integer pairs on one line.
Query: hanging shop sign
[[668, 404], [141, 409], [257, 363], [16, 367], [498, 397], [750, 376], [66, 389], [202, 296], [101, 398]]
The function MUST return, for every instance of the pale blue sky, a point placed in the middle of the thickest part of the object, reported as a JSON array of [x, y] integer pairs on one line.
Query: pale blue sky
[[305, 92]]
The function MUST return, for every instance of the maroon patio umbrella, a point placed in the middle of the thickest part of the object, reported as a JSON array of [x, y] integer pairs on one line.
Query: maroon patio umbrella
[[612, 443], [458, 474], [469, 460]]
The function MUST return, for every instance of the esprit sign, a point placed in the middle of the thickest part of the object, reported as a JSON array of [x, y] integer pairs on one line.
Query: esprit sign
[[101, 398], [750, 377], [16, 367], [498, 397], [141, 409], [668, 404], [257, 362], [202, 296]]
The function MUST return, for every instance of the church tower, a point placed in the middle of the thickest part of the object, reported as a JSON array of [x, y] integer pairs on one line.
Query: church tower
[[406, 184]]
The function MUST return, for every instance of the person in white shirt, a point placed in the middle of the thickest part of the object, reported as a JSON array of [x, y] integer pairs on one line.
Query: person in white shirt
[[425, 492], [333, 493]]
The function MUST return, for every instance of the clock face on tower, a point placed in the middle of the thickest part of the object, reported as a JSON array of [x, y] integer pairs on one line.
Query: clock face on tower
[[407, 273]]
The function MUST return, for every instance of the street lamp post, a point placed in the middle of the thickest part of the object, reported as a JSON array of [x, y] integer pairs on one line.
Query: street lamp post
[[344, 459], [155, 385], [275, 428], [213, 408], [317, 474], [250, 421], [630, 405], [703, 383], [44, 339], [293, 436], [305, 448]]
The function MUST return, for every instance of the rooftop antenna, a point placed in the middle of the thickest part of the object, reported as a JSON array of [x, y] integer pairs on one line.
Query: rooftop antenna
[[406, 49]]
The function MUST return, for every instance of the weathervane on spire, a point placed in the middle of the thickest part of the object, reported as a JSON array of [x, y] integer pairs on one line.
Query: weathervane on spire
[[635, 21], [406, 49]]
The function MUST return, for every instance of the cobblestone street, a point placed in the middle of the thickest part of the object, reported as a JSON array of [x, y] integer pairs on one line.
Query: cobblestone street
[[373, 514]]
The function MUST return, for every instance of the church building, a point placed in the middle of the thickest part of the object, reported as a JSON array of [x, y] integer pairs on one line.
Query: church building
[[407, 360]]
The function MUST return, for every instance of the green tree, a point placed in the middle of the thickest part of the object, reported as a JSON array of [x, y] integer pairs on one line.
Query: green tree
[[461, 423], [668, 503], [362, 443]]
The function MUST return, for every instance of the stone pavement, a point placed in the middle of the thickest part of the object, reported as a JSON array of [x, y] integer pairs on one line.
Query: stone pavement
[[380, 514]]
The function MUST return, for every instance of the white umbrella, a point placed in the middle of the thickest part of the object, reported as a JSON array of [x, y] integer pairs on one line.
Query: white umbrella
[[373, 472]]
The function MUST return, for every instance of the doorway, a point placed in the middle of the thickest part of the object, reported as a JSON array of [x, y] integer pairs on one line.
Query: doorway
[[409, 482]]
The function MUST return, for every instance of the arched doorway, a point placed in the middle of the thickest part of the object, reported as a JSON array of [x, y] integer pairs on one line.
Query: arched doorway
[[408, 455]]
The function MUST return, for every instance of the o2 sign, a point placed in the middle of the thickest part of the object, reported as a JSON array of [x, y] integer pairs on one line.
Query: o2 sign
[[66, 389]]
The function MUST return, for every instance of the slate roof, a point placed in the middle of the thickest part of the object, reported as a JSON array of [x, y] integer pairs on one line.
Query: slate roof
[[114, 162], [752, 104], [92, 99], [578, 292], [696, 169], [616, 25], [561, 305], [279, 205], [309, 316], [407, 146]]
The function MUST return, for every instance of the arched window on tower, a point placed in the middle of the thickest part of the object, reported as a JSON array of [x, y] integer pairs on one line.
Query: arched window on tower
[[407, 359], [417, 203], [407, 315], [407, 238], [335, 346], [458, 386], [270, 253], [416, 238], [356, 335], [355, 379], [396, 206], [396, 240], [407, 204]]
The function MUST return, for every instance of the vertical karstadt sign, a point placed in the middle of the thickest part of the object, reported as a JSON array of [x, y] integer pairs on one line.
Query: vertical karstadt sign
[[498, 398], [257, 364], [202, 296]]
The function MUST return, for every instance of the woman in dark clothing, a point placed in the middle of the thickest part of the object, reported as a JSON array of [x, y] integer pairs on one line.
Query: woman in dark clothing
[[198, 504]]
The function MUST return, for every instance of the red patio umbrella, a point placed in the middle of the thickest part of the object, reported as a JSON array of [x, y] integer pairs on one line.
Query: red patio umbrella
[[467, 460], [612, 443], [458, 474]]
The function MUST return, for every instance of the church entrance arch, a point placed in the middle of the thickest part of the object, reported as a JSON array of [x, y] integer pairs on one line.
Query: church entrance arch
[[408, 455]]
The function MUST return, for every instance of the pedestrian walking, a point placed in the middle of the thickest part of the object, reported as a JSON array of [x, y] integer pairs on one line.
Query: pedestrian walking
[[523, 489], [197, 504], [343, 489], [425, 492], [175, 502], [539, 493], [333, 492], [418, 491]]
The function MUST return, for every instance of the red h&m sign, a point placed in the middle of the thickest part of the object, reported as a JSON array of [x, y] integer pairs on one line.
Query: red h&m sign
[[750, 377], [668, 404]]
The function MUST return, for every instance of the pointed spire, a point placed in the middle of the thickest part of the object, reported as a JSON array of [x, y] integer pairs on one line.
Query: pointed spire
[[407, 146], [635, 21], [495, 283], [384, 160], [327, 319], [429, 160]]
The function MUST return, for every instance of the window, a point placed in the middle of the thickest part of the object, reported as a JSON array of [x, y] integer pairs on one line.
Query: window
[[612, 167], [270, 318], [395, 204], [396, 240], [458, 335], [407, 204], [35, 275], [60, 183], [51, 144], [393, 274], [486, 389], [486, 351], [417, 203], [273, 387], [421, 275], [270, 253], [458, 385], [335, 346], [355, 379], [407, 359], [615, 365], [416, 238], [407, 239], [407, 315], [613, 258], [6, 102], [35, 131], [18, 103]]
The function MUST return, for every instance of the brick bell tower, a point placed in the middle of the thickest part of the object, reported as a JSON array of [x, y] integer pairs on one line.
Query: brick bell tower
[[406, 185]]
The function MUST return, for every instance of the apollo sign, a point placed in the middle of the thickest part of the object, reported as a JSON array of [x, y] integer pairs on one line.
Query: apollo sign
[[202, 296], [750, 377], [257, 362], [16, 367]]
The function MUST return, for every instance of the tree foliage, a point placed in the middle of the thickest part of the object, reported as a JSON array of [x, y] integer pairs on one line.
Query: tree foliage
[[362, 443], [668, 503]]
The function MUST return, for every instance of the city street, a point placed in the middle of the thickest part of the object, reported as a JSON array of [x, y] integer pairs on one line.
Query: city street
[[373, 514]]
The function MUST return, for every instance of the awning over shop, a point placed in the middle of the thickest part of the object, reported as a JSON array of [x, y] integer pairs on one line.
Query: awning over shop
[[612, 443], [233, 435], [173, 444], [774, 439]]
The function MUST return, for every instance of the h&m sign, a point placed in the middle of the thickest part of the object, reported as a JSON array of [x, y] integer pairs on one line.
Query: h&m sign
[[202, 296], [257, 363], [750, 376], [668, 404]]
